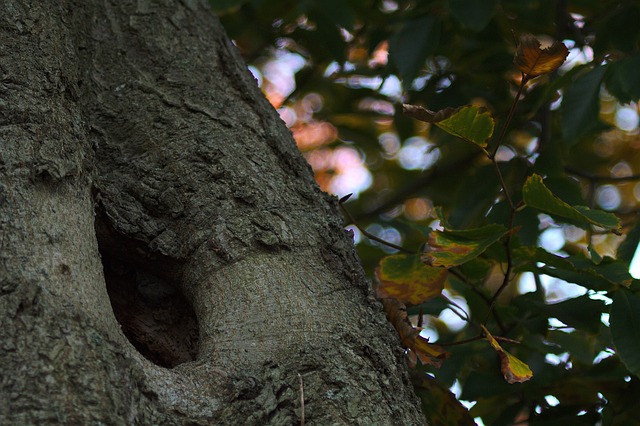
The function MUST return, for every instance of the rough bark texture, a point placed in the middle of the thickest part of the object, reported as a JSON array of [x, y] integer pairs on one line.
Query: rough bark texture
[[165, 255]]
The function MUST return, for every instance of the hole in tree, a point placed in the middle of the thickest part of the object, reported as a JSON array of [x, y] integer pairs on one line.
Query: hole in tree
[[153, 314]]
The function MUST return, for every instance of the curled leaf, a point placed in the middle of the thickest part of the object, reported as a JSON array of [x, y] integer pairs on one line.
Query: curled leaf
[[534, 61], [513, 370], [406, 278], [469, 122], [410, 337]]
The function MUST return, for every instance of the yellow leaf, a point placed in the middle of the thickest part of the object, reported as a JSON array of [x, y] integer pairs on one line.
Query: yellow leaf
[[534, 61], [513, 370]]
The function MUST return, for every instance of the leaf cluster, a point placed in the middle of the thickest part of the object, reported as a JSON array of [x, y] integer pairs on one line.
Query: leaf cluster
[[481, 142]]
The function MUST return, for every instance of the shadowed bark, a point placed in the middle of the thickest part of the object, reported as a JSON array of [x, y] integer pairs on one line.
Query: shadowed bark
[[166, 257]]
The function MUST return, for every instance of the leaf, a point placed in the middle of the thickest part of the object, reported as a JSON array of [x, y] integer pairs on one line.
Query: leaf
[[469, 122], [628, 247], [406, 278], [439, 405], [538, 196], [411, 45], [580, 312], [534, 61], [410, 337], [450, 248], [623, 80], [618, 29], [513, 370], [625, 328], [605, 276], [580, 108], [582, 346], [473, 14]]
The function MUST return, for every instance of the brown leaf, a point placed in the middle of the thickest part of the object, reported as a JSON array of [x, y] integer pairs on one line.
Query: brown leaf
[[534, 61], [410, 337]]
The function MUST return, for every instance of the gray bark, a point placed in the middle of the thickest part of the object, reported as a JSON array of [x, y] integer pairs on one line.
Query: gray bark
[[165, 255]]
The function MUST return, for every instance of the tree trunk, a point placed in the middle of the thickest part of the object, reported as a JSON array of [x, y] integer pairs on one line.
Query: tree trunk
[[165, 255]]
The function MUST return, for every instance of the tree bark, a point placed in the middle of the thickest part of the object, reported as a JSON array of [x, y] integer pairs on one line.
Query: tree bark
[[165, 255]]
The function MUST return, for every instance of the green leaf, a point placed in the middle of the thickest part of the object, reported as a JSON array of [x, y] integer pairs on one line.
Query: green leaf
[[605, 276], [538, 196], [469, 122], [411, 45], [338, 12], [582, 346], [580, 312], [628, 248], [580, 109], [439, 405], [481, 385], [625, 328], [623, 79], [327, 34], [618, 29], [406, 278], [473, 14], [454, 247]]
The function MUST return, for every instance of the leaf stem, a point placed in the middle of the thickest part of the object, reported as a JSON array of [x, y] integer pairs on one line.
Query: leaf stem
[[503, 132], [503, 184], [461, 342], [507, 274], [371, 236], [513, 208]]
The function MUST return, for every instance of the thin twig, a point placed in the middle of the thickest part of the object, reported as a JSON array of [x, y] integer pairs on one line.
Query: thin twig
[[507, 274], [503, 132], [503, 184], [461, 342], [512, 206], [463, 316], [415, 186], [476, 338], [597, 178], [483, 296], [371, 236]]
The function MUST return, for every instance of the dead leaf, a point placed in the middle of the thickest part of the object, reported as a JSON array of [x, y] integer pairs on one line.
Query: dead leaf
[[410, 337], [534, 61]]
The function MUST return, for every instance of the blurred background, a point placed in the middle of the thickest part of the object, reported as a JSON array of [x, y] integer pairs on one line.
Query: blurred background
[[338, 73]]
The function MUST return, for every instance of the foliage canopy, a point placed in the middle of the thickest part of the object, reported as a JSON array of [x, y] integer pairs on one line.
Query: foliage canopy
[[525, 233]]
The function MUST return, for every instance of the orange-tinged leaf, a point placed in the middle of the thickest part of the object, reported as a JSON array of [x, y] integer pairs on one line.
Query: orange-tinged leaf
[[451, 247], [513, 370], [406, 278], [410, 337], [534, 61]]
